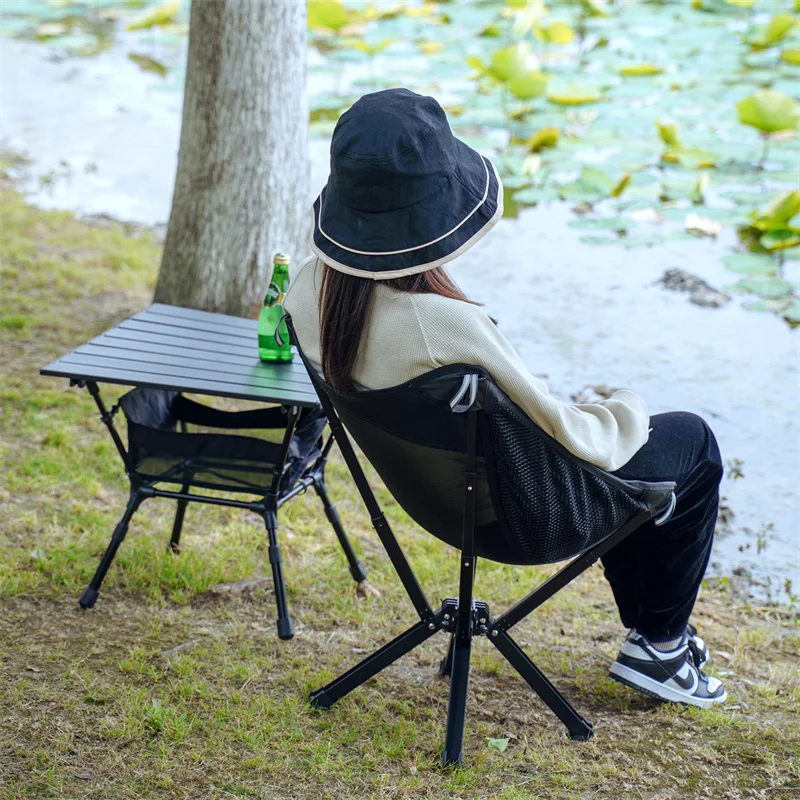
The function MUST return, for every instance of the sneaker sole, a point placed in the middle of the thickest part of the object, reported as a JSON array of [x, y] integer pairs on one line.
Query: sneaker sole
[[635, 680]]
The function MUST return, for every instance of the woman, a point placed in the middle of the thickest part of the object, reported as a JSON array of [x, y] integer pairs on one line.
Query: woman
[[374, 308]]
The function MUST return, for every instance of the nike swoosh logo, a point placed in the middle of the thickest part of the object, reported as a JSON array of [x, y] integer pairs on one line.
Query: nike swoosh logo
[[684, 683]]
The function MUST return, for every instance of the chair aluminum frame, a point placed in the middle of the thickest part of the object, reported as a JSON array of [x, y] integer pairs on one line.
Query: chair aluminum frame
[[463, 617]]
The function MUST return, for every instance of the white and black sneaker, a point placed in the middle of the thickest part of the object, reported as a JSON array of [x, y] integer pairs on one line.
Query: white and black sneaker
[[702, 655], [674, 675]]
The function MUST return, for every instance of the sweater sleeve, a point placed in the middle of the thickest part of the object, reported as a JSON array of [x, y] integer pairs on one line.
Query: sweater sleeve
[[606, 434]]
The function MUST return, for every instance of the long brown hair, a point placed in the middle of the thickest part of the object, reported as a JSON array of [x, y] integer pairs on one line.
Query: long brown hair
[[345, 308]]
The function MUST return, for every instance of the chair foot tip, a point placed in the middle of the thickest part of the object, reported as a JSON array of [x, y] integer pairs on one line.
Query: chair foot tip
[[582, 735], [452, 762], [358, 572], [285, 628], [89, 598], [319, 699]]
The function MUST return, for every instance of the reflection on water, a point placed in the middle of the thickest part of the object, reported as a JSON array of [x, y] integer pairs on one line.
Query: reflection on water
[[102, 135]]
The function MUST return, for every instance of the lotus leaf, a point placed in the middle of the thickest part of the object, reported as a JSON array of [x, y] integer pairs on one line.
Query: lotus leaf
[[690, 157], [601, 223], [620, 186], [555, 33], [669, 134], [513, 61], [768, 111], [595, 8], [751, 264], [527, 85], [592, 185], [774, 31], [532, 195], [780, 239], [597, 240], [778, 212], [430, 47], [544, 137], [327, 14], [370, 49], [573, 95], [767, 286], [425, 10], [792, 313], [641, 69], [162, 15], [721, 6]]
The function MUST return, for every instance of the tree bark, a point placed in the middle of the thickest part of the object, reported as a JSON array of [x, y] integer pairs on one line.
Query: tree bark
[[241, 192]]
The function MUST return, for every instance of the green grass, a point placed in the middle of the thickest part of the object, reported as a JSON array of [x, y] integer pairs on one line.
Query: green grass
[[99, 704]]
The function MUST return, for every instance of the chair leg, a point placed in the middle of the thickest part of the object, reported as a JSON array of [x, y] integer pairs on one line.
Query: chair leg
[[356, 567], [90, 594], [373, 664], [578, 727], [177, 525], [285, 625], [457, 707], [446, 664]]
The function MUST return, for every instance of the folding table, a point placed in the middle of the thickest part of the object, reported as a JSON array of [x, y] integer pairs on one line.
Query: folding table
[[166, 351]]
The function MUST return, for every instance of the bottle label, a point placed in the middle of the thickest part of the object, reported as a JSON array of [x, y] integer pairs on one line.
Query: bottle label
[[274, 295]]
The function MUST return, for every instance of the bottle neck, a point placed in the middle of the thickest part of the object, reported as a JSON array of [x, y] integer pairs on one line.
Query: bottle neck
[[280, 276]]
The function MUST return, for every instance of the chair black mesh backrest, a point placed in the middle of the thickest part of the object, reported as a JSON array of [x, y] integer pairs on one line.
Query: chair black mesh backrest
[[536, 503]]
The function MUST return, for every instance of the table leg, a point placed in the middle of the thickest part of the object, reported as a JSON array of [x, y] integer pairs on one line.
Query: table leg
[[89, 597], [285, 624]]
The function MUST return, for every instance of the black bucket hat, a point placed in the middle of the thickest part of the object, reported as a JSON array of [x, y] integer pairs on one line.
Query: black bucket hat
[[404, 195]]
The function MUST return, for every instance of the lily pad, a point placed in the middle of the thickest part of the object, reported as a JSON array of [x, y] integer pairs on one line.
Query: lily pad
[[555, 33], [527, 85], [774, 31], [769, 111], [791, 56], [544, 137], [162, 15], [767, 286], [601, 223], [510, 62], [634, 70], [751, 264], [532, 195], [573, 95], [781, 239]]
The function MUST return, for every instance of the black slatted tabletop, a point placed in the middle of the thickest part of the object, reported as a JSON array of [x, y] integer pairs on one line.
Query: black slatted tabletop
[[166, 347]]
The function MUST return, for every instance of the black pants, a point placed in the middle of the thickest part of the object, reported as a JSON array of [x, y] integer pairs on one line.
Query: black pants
[[656, 572]]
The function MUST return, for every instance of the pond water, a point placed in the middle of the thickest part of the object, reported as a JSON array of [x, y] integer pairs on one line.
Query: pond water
[[96, 109]]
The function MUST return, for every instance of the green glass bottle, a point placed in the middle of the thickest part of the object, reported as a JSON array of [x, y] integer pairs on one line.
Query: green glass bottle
[[271, 312]]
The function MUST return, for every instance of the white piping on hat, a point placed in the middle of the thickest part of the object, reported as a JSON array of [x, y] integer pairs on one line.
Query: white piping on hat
[[401, 273], [416, 247]]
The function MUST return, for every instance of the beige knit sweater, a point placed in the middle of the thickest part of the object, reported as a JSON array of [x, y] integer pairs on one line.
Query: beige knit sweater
[[408, 335]]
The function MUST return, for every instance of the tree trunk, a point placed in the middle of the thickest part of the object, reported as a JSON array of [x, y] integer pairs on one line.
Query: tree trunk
[[241, 192]]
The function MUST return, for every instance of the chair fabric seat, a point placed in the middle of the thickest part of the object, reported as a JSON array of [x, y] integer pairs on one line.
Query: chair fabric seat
[[159, 452], [536, 503]]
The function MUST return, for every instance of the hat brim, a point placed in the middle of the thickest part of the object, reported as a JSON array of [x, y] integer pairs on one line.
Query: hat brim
[[406, 241]]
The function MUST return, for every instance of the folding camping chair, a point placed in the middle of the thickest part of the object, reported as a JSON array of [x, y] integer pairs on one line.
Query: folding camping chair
[[161, 449], [474, 471]]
